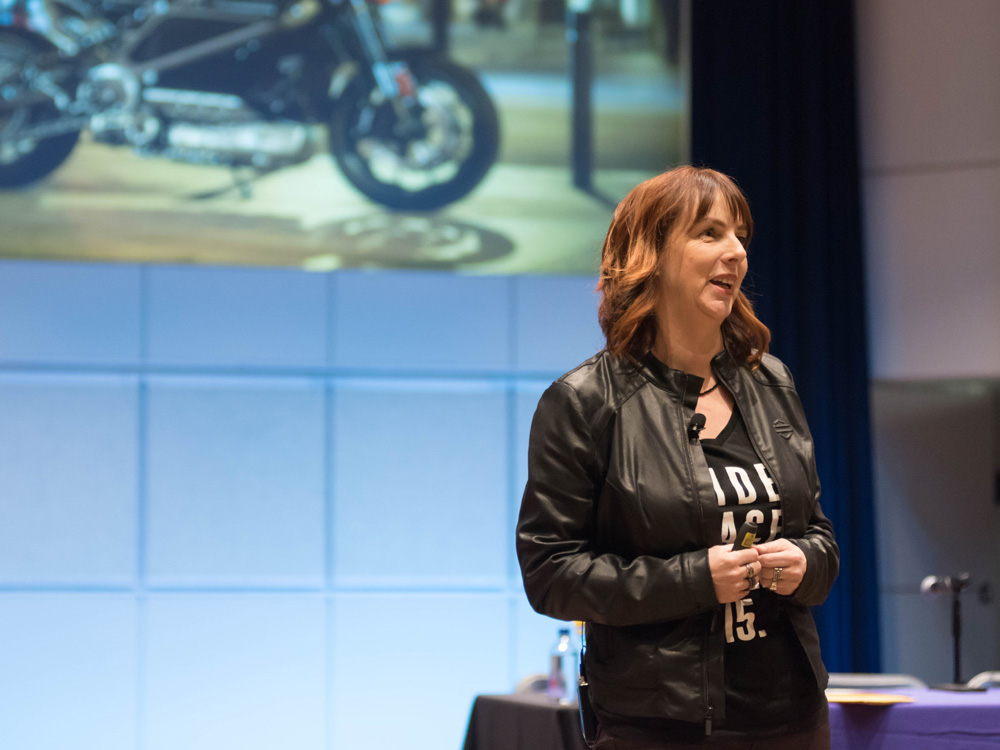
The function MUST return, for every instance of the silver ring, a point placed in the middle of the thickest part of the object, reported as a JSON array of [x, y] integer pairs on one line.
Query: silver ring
[[774, 580], [750, 574]]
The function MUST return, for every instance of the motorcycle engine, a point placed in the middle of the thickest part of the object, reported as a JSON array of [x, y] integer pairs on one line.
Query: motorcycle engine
[[191, 126], [207, 128], [111, 93]]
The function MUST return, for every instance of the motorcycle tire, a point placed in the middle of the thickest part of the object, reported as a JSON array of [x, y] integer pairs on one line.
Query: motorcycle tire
[[38, 159], [362, 121]]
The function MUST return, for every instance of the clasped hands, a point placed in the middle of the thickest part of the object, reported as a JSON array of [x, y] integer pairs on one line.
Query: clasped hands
[[729, 568]]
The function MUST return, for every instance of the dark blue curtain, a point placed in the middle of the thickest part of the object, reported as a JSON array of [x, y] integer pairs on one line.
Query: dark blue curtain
[[773, 105]]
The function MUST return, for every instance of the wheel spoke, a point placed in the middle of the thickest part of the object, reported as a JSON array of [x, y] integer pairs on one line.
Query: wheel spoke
[[432, 160], [27, 158], [13, 54], [451, 148]]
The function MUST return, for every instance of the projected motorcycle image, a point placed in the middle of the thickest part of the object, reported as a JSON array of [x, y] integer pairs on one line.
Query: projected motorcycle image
[[203, 130]]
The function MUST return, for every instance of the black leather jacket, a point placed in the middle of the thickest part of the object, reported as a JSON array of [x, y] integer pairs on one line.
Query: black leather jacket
[[619, 512]]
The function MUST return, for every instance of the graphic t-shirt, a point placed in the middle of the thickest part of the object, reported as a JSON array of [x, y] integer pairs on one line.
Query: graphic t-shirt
[[770, 688], [769, 683]]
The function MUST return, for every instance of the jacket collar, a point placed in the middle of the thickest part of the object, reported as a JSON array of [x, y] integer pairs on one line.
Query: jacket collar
[[683, 385]]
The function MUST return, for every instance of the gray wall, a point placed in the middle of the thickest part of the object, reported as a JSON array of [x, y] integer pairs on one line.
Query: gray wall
[[934, 450], [930, 134]]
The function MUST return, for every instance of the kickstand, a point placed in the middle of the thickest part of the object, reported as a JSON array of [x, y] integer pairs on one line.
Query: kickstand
[[243, 180], [244, 183]]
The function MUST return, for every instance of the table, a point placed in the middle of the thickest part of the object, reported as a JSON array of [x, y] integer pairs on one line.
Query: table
[[936, 720], [531, 721]]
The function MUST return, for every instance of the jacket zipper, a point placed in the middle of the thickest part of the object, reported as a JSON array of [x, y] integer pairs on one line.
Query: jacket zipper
[[709, 711], [777, 488]]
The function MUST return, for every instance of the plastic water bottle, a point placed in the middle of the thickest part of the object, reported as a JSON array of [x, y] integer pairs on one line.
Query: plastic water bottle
[[562, 669]]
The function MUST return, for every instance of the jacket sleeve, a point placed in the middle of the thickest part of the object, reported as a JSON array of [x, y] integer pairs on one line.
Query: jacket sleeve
[[818, 543], [564, 576], [822, 557]]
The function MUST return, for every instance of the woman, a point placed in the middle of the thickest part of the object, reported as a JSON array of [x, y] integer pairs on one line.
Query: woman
[[632, 506]]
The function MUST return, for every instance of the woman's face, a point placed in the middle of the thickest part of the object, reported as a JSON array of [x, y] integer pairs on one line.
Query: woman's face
[[702, 272]]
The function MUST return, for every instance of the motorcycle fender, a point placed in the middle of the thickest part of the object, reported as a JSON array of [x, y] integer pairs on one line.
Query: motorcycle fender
[[347, 71], [342, 76], [38, 17]]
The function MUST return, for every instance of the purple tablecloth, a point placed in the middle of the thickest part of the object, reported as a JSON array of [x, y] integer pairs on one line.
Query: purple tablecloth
[[936, 720]]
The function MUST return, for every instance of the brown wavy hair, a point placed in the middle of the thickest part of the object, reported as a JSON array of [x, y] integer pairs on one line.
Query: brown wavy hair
[[645, 225]]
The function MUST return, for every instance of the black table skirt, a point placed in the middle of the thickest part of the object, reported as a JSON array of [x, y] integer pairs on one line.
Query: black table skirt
[[523, 722]]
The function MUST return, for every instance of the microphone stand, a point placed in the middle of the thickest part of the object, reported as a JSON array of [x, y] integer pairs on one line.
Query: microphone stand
[[957, 584]]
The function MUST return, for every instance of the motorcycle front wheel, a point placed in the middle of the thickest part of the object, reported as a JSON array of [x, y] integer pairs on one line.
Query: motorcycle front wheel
[[449, 152], [23, 158]]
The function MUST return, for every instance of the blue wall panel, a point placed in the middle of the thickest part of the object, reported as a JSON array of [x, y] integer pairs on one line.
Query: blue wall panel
[[358, 464], [556, 322], [232, 317], [421, 321], [420, 489], [69, 313], [236, 482], [234, 671], [68, 479], [407, 666], [534, 637], [67, 671]]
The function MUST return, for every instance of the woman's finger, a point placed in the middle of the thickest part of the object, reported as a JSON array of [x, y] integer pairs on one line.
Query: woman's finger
[[786, 556], [732, 572], [779, 561], [743, 556], [776, 546]]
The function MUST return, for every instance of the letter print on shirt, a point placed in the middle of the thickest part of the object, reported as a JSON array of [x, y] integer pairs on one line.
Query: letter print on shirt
[[745, 491], [738, 488], [768, 679]]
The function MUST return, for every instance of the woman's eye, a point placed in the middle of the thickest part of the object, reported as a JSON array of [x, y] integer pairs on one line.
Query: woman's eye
[[742, 238], [709, 232]]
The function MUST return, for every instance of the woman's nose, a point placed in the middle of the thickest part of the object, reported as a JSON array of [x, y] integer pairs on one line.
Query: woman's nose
[[735, 249]]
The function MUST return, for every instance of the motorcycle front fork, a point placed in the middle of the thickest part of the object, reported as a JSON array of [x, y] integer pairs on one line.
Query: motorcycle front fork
[[393, 78]]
